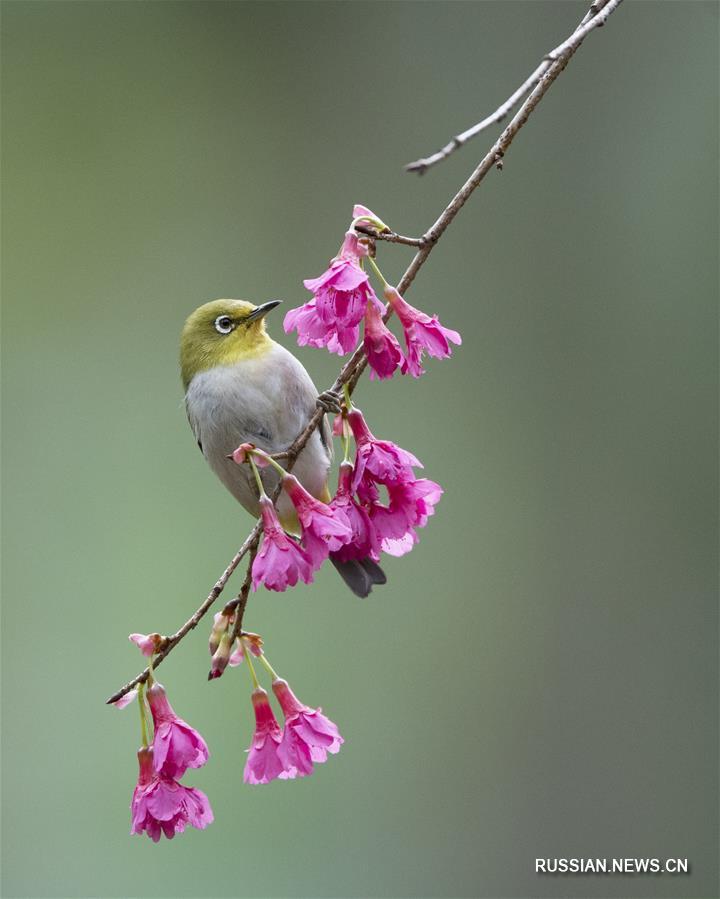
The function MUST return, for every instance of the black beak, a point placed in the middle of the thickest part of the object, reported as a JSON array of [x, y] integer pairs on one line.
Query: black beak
[[262, 311]]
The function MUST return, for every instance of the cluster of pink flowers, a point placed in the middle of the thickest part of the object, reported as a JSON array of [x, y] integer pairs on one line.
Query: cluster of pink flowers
[[356, 524], [343, 297], [160, 803], [291, 751]]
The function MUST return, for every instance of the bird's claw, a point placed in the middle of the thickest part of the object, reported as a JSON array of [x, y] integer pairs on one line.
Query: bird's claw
[[329, 401]]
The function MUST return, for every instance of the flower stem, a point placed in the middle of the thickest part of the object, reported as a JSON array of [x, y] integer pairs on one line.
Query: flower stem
[[269, 668], [258, 479], [277, 466], [143, 716], [377, 271], [251, 667]]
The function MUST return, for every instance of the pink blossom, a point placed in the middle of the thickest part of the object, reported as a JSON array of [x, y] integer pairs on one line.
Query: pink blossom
[[281, 562], [411, 504], [126, 699], [263, 762], [367, 491], [146, 643], [422, 333], [325, 529], [162, 805], [340, 297], [313, 331], [176, 745], [379, 460], [255, 642], [248, 450], [342, 292], [380, 344], [365, 540], [338, 427], [362, 212], [400, 546], [306, 729]]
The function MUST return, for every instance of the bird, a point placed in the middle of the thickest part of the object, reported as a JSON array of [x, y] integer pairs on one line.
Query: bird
[[241, 386]]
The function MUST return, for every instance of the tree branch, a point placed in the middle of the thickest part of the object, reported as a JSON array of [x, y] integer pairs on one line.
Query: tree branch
[[595, 18], [355, 365], [390, 236]]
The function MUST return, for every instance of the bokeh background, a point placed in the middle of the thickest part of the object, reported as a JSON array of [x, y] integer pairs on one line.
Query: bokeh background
[[539, 677]]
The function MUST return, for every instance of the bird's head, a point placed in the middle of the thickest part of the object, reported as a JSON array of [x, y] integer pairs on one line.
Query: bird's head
[[222, 332]]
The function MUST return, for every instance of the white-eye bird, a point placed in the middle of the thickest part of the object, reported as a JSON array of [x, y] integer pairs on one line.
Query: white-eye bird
[[243, 387]]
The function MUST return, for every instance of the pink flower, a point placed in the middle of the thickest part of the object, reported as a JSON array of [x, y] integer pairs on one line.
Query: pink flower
[[338, 427], [362, 212], [367, 491], [162, 805], [126, 699], [411, 504], [364, 541], [340, 297], [313, 331], [381, 347], [325, 529], [248, 450], [280, 562], [255, 641], [146, 643], [422, 332], [263, 762], [176, 745], [306, 729], [379, 460], [342, 292]]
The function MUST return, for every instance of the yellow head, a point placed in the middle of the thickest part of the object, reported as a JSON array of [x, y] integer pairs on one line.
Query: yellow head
[[221, 333]]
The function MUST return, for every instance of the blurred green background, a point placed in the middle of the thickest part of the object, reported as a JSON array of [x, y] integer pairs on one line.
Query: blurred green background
[[539, 678]]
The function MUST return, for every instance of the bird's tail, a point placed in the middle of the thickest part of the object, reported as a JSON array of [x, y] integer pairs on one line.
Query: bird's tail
[[361, 575]]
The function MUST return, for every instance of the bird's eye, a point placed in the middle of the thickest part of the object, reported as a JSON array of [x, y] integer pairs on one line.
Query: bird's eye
[[224, 324]]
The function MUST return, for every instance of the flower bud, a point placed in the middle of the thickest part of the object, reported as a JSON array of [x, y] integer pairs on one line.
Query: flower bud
[[221, 656], [221, 622]]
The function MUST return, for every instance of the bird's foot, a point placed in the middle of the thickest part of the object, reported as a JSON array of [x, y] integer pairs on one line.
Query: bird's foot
[[329, 401]]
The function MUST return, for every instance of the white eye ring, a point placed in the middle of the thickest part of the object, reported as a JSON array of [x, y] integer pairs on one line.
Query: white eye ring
[[224, 324]]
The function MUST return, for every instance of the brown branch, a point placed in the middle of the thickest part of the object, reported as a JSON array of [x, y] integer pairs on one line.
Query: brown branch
[[595, 18], [243, 594], [390, 236], [355, 365]]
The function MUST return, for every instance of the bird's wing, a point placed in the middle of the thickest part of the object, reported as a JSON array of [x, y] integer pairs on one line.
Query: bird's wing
[[300, 394], [246, 427]]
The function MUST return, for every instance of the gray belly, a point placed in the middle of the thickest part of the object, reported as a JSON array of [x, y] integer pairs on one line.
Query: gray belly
[[267, 405]]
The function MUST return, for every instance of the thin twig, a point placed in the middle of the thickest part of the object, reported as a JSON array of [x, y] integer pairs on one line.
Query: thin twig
[[390, 236], [243, 595], [355, 365], [572, 43]]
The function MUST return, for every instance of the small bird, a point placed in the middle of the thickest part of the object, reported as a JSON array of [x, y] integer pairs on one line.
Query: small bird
[[243, 387]]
